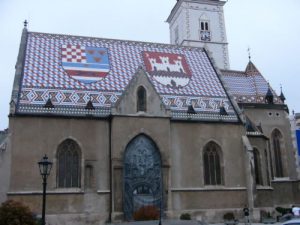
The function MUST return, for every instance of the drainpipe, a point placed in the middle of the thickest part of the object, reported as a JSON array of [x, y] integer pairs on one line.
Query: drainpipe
[[110, 168]]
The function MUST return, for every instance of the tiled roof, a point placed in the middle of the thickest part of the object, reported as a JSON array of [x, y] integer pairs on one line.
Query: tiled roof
[[248, 86], [181, 75]]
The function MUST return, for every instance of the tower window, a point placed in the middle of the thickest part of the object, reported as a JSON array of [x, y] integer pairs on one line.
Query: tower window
[[205, 34], [141, 99], [204, 26]]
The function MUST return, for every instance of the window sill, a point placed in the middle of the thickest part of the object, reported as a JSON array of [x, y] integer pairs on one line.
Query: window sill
[[50, 192], [209, 188]]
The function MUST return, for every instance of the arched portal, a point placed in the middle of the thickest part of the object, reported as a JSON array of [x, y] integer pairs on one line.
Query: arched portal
[[142, 176]]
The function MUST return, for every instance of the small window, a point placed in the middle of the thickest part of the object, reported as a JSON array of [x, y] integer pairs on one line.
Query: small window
[[204, 26], [205, 34], [141, 99]]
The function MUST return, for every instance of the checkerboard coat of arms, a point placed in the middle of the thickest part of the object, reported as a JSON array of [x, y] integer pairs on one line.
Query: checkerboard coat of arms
[[167, 68], [85, 64]]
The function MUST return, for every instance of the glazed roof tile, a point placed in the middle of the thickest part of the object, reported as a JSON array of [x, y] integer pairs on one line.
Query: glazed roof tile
[[181, 75], [248, 86]]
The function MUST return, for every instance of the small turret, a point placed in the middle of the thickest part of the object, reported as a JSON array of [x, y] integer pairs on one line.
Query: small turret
[[49, 104], [281, 96], [90, 105], [269, 96], [191, 110], [223, 110]]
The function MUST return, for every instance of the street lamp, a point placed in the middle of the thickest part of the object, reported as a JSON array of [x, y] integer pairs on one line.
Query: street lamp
[[45, 168]]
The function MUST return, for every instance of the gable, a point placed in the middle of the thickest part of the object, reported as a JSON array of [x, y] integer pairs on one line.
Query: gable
[[127, 103]]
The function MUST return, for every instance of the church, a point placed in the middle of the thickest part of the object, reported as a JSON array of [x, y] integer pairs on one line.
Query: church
[[129, 124]]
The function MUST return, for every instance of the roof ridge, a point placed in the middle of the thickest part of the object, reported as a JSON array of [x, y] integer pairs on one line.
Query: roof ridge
[[121, 40]]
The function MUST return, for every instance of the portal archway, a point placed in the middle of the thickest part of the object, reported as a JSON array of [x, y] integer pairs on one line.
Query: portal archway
[[142, 175]]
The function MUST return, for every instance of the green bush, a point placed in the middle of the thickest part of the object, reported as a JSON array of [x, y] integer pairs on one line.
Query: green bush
[[185, 216], [15, 213], [228, 216]]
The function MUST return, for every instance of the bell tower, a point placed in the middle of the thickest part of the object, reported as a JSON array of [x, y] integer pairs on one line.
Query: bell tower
[[200, 23]]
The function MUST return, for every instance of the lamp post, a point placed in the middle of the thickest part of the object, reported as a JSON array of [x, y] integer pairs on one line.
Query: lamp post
[[45, 167]]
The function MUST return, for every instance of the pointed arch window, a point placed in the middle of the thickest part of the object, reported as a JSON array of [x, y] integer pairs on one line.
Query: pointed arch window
[[141, 99], [257, 167], [267, 167], [212, 164], [68, 164], [277, 140]]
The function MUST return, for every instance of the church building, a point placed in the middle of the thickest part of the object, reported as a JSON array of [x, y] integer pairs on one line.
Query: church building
[[130, 124]]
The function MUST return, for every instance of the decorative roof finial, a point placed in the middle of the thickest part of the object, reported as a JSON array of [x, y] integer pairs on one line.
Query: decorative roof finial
[[282, 97], [25, 24], [249, 53]]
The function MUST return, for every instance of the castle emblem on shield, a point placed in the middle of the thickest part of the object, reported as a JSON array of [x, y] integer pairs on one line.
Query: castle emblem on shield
[[167, 68], [85, 64]]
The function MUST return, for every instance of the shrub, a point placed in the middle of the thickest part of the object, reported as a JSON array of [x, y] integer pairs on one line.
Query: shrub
[[15, 213], [149, 212], [185, 216], [228, 216]]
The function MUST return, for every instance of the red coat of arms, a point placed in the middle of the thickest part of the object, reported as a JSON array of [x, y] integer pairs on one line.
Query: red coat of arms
[[167, 68]]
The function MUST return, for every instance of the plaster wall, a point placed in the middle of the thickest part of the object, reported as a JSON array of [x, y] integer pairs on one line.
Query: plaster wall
[[188, 142], [271, 119], [261, 144], [124, 129], [5, 164], [32, 138]]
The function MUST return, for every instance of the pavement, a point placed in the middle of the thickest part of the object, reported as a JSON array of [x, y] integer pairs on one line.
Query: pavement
[[178, 222]]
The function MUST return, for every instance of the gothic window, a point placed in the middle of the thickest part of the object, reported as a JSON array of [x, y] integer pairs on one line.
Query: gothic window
[[141, 99], [277, 151], [68, 164], [212, 164], [257, 167], [267, 167]]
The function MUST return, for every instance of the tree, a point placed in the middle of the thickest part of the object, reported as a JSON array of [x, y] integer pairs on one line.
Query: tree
[[15, 213]]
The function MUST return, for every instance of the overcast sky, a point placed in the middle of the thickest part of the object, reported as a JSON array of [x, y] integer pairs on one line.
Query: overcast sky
[[271, 28]]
